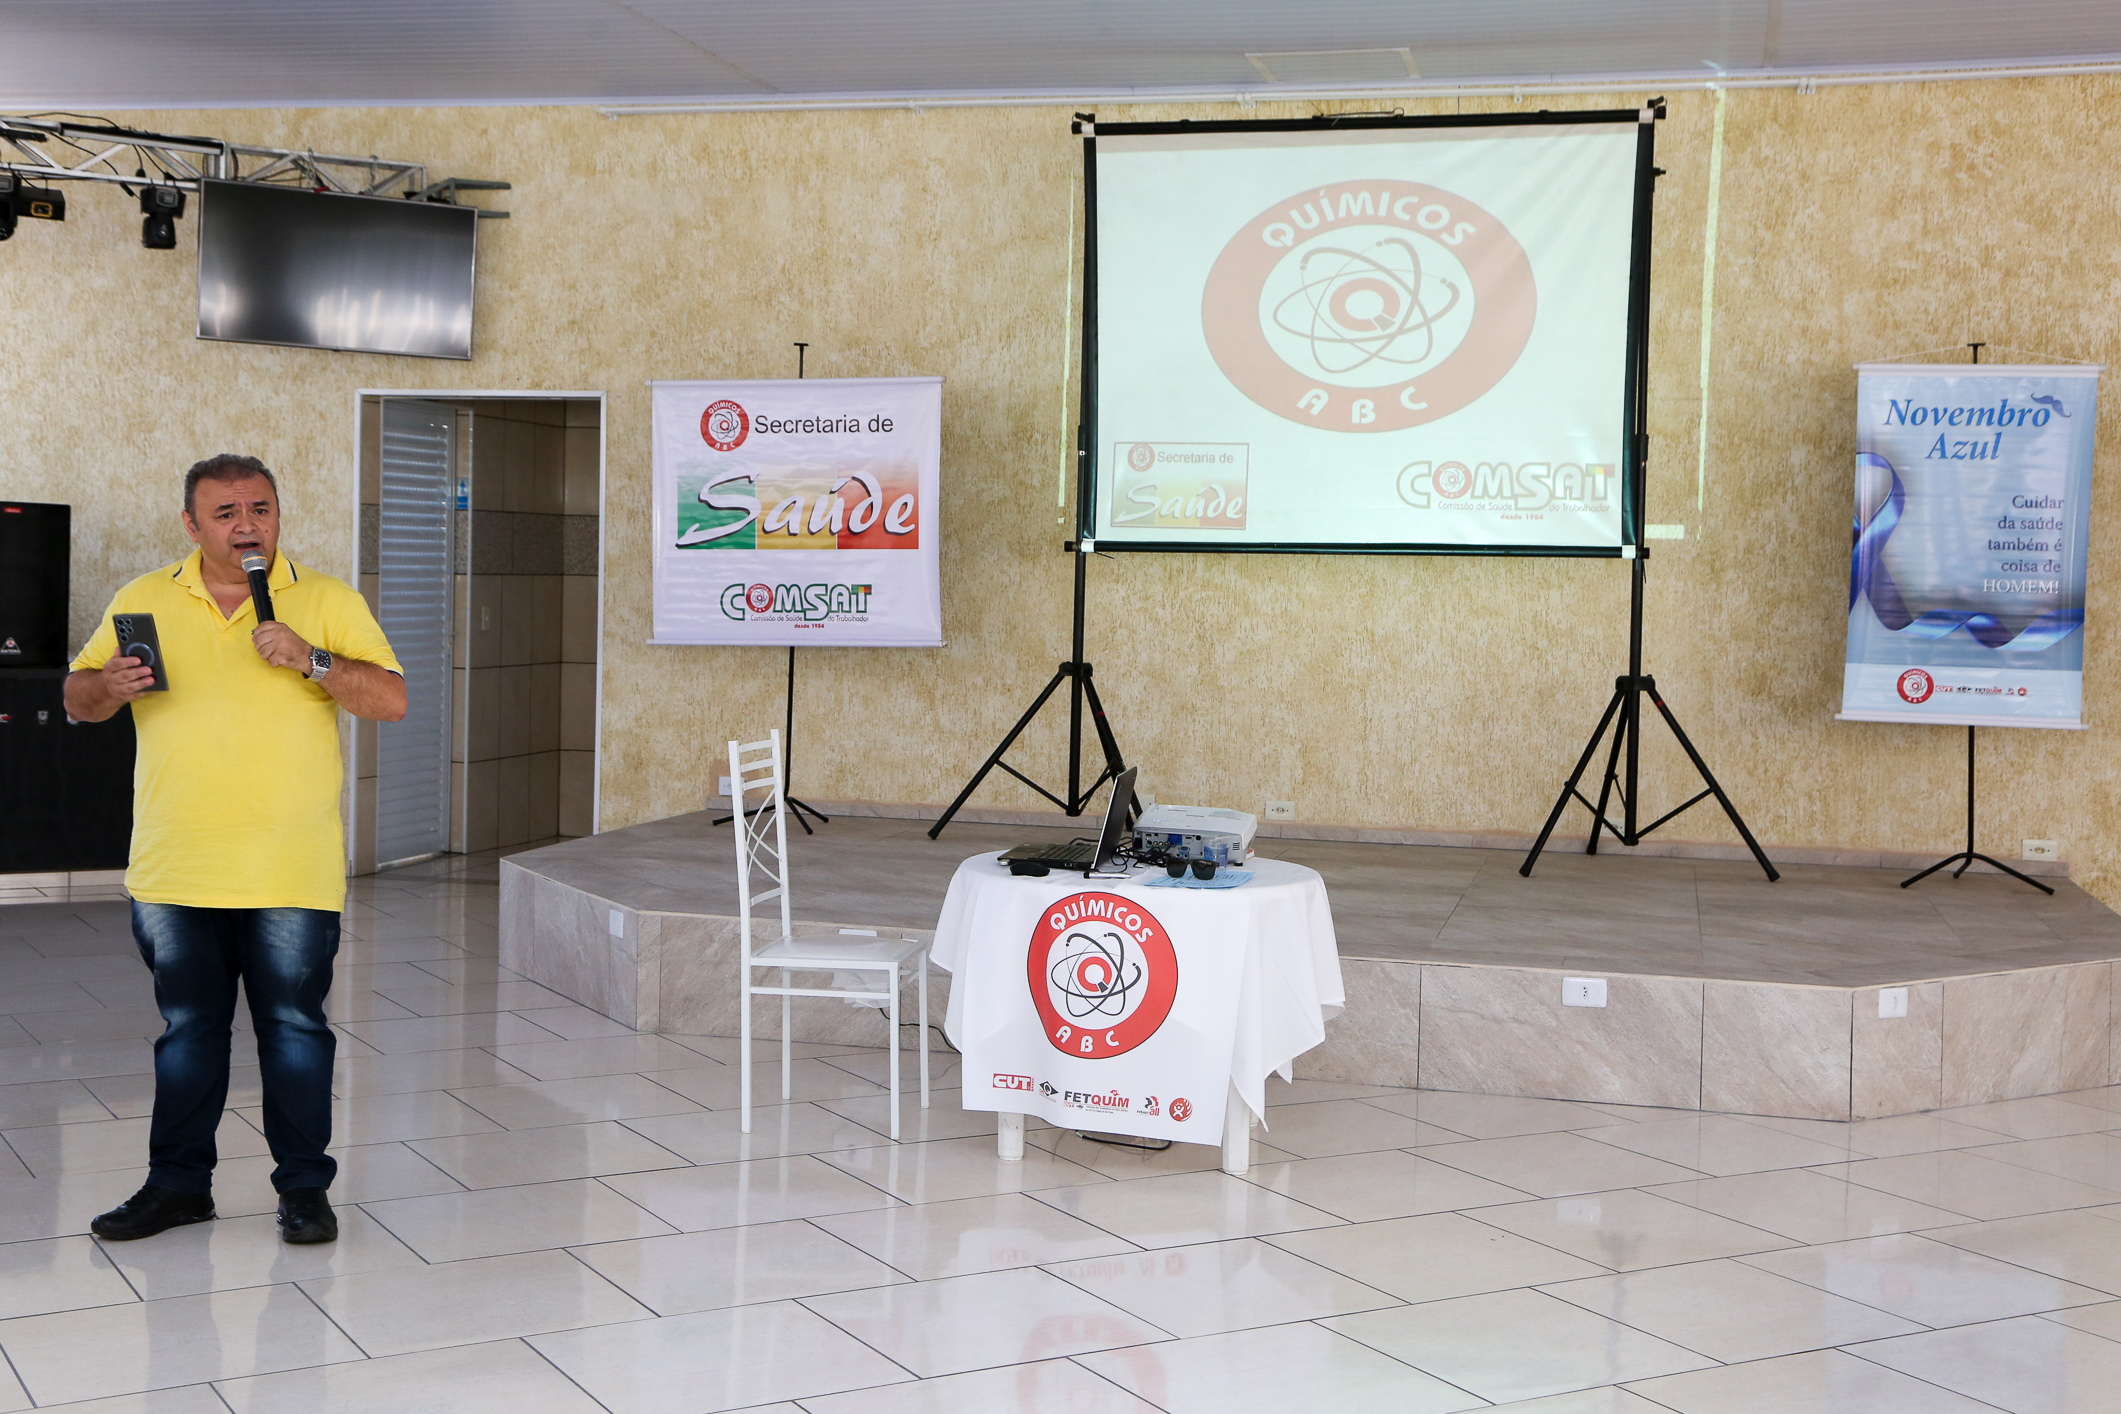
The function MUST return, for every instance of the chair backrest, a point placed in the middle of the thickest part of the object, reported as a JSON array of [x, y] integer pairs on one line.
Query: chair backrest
[[761, 830]]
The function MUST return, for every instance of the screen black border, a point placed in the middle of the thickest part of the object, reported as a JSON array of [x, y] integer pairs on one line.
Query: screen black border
[[1634, 450]]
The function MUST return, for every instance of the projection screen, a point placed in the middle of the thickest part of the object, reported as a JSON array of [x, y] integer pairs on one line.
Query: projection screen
[[1384, 335]]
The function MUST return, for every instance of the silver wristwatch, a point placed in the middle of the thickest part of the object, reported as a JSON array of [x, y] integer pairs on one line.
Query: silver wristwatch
[[319, 664]]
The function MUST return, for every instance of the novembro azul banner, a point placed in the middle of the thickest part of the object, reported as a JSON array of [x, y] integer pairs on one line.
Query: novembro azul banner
[[1966, 565], [798, 512]]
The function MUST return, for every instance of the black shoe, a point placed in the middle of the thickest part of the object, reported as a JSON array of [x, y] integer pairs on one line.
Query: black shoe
[[152, 1210], [306, 1216]]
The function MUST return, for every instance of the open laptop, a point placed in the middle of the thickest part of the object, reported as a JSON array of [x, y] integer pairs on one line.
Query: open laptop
[[1090, 856]]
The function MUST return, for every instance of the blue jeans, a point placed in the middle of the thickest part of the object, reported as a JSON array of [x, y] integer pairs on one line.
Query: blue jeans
[[283, 958]]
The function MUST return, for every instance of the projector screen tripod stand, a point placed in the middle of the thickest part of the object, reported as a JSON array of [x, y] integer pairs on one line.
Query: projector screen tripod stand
[[1623, 716], [1082, 691], [1076, 672], [1623, 713]]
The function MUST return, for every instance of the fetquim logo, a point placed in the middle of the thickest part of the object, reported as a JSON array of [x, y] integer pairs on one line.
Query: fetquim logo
[[1103, 974], [1369, 306]]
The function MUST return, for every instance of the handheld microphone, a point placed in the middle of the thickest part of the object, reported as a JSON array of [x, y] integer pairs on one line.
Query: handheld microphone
[[255, 566]]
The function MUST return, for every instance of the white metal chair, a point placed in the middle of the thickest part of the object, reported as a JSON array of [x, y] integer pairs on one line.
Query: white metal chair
[[762, 849]]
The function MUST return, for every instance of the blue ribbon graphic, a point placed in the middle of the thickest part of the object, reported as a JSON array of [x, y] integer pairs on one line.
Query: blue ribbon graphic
[[1868, 577]]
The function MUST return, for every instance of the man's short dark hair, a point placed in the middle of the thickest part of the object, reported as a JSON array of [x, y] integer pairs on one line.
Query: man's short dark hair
[[226, 467]]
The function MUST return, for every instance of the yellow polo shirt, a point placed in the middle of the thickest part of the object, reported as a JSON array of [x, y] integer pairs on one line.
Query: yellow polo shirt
[[236, 782]]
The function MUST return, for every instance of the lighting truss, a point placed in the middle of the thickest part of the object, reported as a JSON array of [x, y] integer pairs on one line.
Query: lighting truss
[[101, 152]]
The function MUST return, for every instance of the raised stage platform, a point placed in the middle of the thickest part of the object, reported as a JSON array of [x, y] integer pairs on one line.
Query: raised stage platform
[[1725, 992]]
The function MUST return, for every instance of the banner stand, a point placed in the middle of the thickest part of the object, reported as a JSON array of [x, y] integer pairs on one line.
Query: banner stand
[[1965, 857], [1920, 620], [796, 807]]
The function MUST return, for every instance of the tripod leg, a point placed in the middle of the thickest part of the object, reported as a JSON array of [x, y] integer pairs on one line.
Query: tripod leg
[[1059, 677], [1114, 762], [1940, 864], [1568, 789], [788, 755], [1612, 773], [1709, 777], [1999, 864]]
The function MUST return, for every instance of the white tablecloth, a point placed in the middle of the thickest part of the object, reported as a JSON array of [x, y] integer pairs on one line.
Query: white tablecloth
[[1269, 942]]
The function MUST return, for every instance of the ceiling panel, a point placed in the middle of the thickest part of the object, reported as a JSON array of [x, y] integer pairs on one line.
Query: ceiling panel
[[114, 53]]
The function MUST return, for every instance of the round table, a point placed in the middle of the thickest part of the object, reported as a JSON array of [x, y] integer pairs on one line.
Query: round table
[[1114, 1004]]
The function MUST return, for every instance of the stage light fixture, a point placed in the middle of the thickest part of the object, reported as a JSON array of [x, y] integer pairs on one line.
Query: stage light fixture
[[43, 203], [160, 207]]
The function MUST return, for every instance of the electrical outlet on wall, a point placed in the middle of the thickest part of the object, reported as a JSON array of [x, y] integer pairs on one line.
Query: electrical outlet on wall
[[2041, 849], [726, 788], [1281, 810], [1892, 1003], [1583, 991]]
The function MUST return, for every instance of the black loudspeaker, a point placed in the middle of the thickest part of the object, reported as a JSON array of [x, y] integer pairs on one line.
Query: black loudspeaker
[[66, 791], [34, 584]]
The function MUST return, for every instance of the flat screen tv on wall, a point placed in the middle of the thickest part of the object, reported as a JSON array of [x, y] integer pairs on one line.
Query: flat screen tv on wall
[[324, 270]]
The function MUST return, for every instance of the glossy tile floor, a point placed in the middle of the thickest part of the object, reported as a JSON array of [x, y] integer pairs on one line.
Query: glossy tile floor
[[544, 1212]]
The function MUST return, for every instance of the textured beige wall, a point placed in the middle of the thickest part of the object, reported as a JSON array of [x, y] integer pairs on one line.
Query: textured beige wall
[[1429, 694]]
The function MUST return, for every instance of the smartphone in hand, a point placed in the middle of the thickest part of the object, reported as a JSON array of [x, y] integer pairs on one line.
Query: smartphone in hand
[[137, 639]]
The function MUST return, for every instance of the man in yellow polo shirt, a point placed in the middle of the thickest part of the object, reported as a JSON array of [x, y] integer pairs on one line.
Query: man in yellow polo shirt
[[238, 868]]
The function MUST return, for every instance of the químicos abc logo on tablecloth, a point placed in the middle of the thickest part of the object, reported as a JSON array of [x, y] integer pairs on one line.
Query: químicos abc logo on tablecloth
[[1103, 974]]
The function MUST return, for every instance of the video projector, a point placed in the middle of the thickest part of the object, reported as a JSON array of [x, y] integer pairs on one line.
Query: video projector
[[1197, 832]]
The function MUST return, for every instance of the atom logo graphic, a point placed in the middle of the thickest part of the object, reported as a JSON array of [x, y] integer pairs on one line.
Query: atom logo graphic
[[1103, 975], [1915, 685], [1141, 456], [759, 598], [1361, 308], [1369, 306], [1094, 977], [725, 425]]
